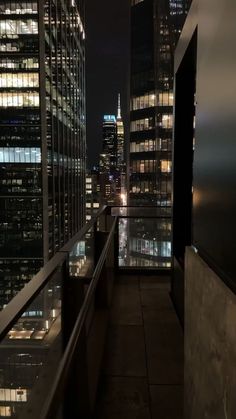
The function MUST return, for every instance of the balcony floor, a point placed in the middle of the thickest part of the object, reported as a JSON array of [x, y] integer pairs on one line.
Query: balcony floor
[[142, 374]]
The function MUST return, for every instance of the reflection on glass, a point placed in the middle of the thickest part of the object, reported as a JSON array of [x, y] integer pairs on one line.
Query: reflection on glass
[[145, 242], [26, 350], [81, 259]]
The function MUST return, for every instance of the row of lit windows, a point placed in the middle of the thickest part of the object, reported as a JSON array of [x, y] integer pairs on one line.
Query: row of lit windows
[[151, 187], [151, 247], [92, 205], [16, 45], [166, 121], [20, 100], [18, 27], [142, 124], [147, 166], [19, 63], [11, 182], [18, 7], [64, 160], [144, 187], [144, 101], [141, 146], [20, 155], [149, 100], [19, 80], [144, 166]]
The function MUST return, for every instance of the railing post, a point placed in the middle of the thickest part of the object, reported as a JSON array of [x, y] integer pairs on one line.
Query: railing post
[[101, 291], [116, 246], [76, 401], [105, 284]]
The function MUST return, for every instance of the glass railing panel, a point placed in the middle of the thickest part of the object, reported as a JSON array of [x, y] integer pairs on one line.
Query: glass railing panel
[[81, 257], [32, 347], [141, 212], [144, 242]]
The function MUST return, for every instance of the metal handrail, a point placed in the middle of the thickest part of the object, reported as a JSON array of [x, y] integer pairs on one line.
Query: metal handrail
[[16, 307], [56, 393], [78, 236]]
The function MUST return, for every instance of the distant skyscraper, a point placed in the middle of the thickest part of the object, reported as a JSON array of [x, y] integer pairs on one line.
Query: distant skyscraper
[[155, 27], [120, 136], [112, 166], [42, 134], [108, 157]]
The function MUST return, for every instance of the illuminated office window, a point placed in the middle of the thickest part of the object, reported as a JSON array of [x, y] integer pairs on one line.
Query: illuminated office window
[[19, 63], [167, 121], [21, 99], [165, 166], [142, 124], [20, 155], [143, 166], [165, 99], [19, 80], [145, 101], [18, 7], [142, 146], [18, 27]]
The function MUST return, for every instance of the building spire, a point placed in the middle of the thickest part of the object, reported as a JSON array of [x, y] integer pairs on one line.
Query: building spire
[[119, 108]]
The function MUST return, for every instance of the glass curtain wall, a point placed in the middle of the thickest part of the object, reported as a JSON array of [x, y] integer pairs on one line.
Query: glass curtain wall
[[42, 134], [155, 28]]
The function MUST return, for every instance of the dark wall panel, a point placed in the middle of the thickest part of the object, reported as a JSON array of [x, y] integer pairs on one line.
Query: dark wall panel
[[214, 171]]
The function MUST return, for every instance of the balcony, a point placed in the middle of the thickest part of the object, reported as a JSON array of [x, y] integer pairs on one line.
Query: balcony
[[94, 333]]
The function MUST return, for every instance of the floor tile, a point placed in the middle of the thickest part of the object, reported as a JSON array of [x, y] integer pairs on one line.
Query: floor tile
[[125, 351], [164, 345], [158, 282], [167, 402], [156, 299], [126, 306], [123, 398], [164, 316]]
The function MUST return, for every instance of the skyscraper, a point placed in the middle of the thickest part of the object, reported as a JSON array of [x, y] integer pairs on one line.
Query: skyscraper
[[42, 134], [112, 166], [155, 27], [108, 157], [120, 136]]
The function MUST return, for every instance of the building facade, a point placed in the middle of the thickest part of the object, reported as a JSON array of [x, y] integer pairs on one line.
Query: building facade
[[92, 193], [108, 158], [155, 27], [112, 166], [42, 134]]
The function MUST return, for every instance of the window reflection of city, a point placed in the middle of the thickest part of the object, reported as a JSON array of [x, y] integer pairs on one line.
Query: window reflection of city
[[144, 242], [26, 348]]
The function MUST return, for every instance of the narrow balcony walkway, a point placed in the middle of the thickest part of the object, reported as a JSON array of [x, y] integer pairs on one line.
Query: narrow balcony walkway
[[142, 374]]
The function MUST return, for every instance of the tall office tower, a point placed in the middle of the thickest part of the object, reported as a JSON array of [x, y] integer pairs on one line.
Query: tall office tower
[[121, 160], [108, 157], [120, 137], [42, 134], [155, 27], [92, 193]]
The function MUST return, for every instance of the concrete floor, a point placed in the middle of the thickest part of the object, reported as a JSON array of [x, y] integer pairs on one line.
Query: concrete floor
[[142, 375]]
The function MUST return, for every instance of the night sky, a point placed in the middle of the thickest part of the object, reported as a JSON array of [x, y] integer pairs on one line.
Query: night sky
[[107, 66]]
